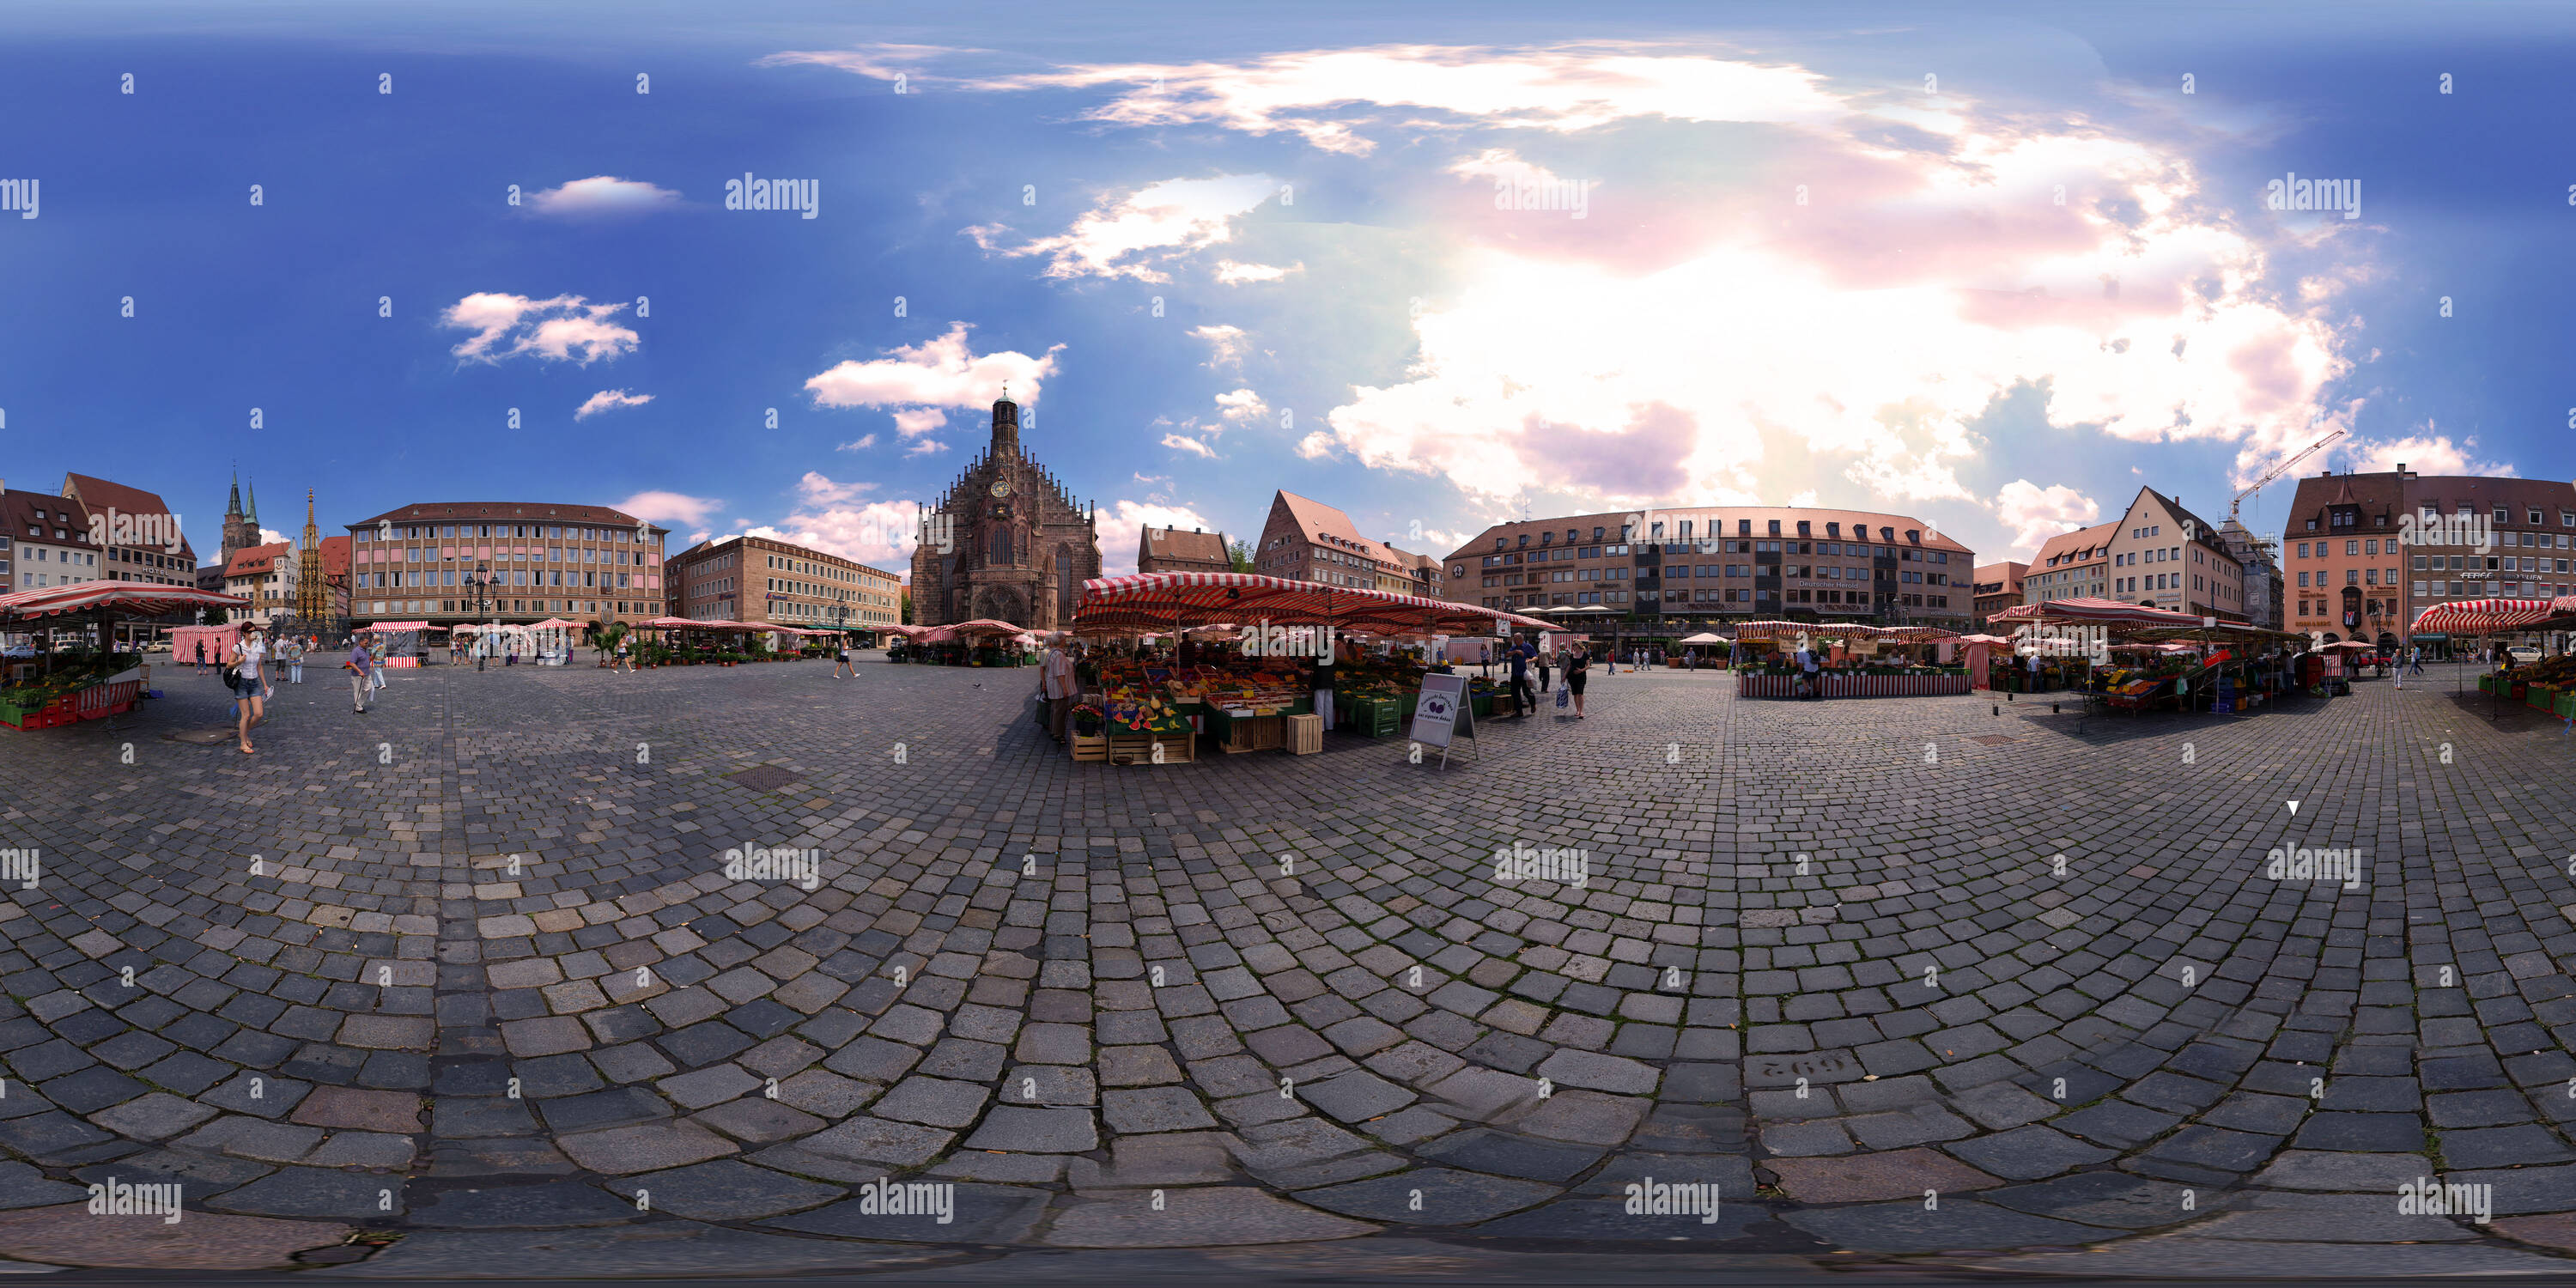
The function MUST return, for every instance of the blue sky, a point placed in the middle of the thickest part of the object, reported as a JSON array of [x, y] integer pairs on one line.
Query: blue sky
[[1218, 255]]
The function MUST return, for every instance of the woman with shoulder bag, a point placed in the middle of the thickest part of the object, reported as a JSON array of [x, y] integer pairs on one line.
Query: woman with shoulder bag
[[248, 672], [1578, 667]]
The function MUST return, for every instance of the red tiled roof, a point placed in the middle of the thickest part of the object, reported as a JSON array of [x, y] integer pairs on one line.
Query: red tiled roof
[[255, 560], [20, 506], [532, 511], [1172, 543], [335, 557], [104, 494], [2085, 544]]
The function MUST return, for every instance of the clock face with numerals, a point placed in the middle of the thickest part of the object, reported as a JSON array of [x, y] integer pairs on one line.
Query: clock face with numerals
[[1001, 487]]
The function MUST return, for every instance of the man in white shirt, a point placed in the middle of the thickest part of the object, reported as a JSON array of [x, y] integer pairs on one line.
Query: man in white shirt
[[1056, 686]]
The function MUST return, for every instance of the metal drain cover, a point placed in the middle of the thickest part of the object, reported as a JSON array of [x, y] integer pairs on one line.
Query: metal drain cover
[[765, 778]]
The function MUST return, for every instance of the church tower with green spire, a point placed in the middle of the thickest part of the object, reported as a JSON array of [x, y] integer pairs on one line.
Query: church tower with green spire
[[241, 531]]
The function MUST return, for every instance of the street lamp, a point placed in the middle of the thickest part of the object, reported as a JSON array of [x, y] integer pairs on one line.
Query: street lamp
[[478, 579]]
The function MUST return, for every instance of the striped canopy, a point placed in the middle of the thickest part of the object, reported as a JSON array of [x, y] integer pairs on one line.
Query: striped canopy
[[1165, 600], [986, 626], [2095, 612], [1839, 630], [115, 598], [2487, 616]]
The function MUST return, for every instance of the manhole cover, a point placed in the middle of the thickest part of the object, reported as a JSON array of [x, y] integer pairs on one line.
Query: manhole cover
[[1995, 739], [200, 737], [765, 778]]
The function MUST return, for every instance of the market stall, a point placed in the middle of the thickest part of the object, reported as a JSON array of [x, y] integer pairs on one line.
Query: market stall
[[2548, 684], [1251, 688], [62, 687], [1864, 661]]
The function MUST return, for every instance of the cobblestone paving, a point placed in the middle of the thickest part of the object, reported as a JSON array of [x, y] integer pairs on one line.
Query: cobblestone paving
[[469, 968]]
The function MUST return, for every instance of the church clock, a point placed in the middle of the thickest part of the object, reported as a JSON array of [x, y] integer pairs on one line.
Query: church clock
[[1001, 487]]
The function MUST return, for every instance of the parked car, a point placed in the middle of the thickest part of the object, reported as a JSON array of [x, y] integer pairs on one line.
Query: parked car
[[2522, 654]]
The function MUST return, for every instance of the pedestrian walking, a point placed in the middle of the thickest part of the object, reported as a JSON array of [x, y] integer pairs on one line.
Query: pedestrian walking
[[1523, 700], [1815, 681], [294, 661], [376, 673], [201, 656], [1578, 666], [1326, 672], [625, 656], [249, 655], [844, 665], [1056, 687], [362, 669], [1543, 660]]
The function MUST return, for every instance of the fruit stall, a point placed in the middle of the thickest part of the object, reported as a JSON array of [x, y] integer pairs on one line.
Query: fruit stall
[[67, 688], [1251, 648]]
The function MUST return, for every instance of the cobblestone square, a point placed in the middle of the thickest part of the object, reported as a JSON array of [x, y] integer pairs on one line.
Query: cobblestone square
[[1898, 978]]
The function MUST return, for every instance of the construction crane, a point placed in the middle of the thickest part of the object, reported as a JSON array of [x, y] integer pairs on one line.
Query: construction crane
[[2274, 474]]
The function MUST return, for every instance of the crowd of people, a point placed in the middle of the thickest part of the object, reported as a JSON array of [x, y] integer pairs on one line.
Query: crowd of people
[[250, 668]]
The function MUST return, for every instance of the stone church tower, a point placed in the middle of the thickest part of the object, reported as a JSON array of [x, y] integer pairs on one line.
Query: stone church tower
[[1018, 548], [241, 531]]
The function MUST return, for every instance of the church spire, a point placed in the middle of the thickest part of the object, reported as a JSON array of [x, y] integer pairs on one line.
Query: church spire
[[232, 510], [253, 516]]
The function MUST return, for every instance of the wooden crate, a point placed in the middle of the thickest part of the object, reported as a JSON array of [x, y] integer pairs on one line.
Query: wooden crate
[[1087, 748], [1251, 733], [1305, 734]]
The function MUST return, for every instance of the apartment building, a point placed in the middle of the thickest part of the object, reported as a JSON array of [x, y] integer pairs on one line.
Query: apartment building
[[2071, 565], [508, 561], [763, 579], [1998, 587], [2164, 556], [1307, 540], [1744, 562], [2365, 554]]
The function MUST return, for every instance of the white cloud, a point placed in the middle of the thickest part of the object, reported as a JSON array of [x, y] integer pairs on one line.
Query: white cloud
[[1315, 446], [2425, 453], [935, 373], [1851, 339], [2035, 514], [1226, 344], [1123, 525], [1326, 96], [815, 489], [1242, 407], [859, 444], [925, 447], [1150, 480], [913, 422], [877, 533], [554, 329], [676, 508], [1183, 443], [608, 399], [1156, 222], [1230, 273], [603, 195], [271, 536]]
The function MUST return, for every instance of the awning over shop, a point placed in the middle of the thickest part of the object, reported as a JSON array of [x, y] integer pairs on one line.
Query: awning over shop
[[2095, 612], [1165, 601], [2491, 616], [125, 599]]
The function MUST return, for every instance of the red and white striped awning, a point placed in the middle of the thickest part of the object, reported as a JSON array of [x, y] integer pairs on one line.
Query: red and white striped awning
[[1839, 630], [2488, 616], [1166, 600], [2095, 612], [987, 626], [115, 598]]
